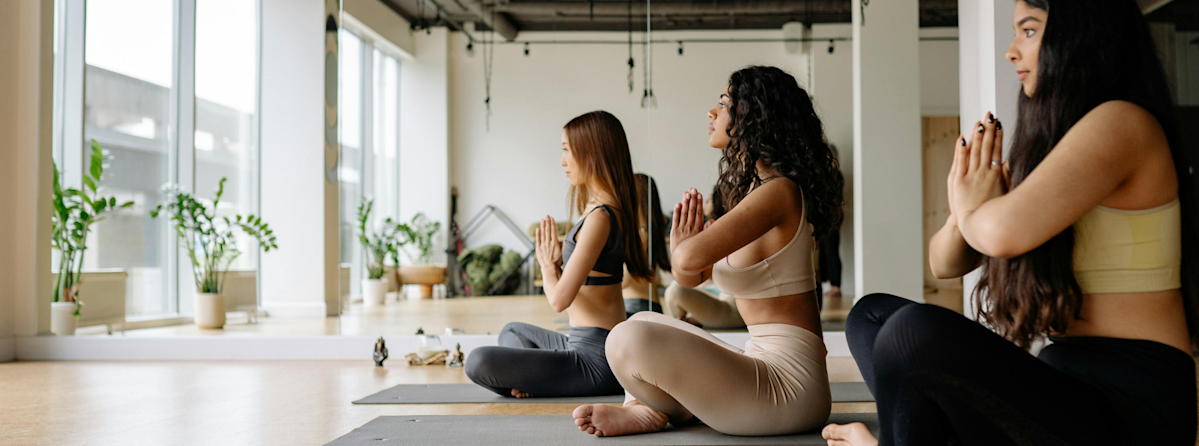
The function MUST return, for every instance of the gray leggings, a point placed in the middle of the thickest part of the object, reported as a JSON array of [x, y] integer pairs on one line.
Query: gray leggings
[[545, 363]]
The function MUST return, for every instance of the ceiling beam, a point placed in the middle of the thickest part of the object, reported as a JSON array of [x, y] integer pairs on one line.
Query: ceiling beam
[[499, 21], [545, 8]]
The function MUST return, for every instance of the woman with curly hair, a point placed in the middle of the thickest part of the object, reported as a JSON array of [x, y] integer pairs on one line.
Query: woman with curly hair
[[1091, 243], [777, 178]]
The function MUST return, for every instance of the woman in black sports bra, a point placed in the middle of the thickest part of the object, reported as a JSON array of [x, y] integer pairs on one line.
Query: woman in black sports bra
[[582, 275]]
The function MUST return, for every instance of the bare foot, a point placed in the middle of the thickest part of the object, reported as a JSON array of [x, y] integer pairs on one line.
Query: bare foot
[[833, 292], [519, 394], [852, 434], [603, 420]]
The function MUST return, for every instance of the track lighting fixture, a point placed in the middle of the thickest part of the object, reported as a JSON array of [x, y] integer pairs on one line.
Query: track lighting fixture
[[526, 48], [680, 47], [830, 46]]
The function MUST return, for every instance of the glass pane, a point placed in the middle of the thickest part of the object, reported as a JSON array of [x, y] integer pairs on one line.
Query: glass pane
[[350, 111], [385, 188], [128, 82], [226, 106]]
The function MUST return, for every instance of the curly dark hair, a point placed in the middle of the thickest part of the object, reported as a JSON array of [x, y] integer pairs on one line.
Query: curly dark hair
[[773, 121]]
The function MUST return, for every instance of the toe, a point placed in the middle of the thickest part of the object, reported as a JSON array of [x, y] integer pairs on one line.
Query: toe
[[583, 411]]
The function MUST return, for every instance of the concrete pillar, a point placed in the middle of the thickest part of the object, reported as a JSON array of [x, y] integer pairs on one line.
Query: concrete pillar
[[988, 80], [299, 157], [26, 148], [887, 194]]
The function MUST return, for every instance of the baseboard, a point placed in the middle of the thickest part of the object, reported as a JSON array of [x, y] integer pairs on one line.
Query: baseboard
[[295, 309], [8, 349], [261, 348]]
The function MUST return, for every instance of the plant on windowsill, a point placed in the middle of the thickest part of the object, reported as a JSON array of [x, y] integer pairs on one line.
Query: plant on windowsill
[[379, 245], [419, 234], [75, 211], [211, 245]]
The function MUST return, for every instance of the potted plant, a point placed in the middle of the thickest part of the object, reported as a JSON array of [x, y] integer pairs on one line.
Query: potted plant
[[74, 213], [211, 245], [419, 234], [379, 246]]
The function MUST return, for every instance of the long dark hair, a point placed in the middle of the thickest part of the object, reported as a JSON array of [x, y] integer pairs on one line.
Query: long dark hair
[[773, 121], [1091, 52], [652, 209], [599, 145]]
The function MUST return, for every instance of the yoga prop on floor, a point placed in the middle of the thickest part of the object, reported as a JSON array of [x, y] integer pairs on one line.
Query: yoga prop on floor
[[855, 392], [537, 430]]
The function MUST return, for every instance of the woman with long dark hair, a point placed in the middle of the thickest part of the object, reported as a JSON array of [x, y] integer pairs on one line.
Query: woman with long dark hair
[[776, 177], [639, 294], [582, 275], [1091, 243]]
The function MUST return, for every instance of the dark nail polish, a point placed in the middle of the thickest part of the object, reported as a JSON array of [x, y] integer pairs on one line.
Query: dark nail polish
[[990, 118], [998, 125], [963, 141], [981, 128]]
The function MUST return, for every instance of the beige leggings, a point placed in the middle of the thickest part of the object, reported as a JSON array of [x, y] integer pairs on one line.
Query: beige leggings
[[778, 385], [703, 307]]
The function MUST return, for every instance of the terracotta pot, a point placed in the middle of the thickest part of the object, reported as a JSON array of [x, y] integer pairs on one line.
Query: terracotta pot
[[62, 318], [210, 310]]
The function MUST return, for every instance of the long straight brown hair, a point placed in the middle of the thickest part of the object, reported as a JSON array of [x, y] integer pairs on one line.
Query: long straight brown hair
[[652, 220], [1091, 52], [599, 145]]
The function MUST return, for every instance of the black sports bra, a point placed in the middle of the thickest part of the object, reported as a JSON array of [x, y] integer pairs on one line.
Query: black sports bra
[[611, 259]]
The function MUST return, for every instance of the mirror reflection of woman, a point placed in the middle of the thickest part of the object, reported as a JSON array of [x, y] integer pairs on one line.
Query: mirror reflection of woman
[[705, 306], [776, 178], [582, 275], [640, 295], [1091, 242]]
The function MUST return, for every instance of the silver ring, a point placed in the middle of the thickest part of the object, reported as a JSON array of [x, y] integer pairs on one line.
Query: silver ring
[[996, 163]]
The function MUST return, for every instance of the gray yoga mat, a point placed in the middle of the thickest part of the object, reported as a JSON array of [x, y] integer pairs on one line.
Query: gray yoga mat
[[470, 393], [539, 430]]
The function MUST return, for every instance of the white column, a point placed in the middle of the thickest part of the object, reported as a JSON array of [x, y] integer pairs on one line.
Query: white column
[[26, 148], [887, 197], [424, 133], [299, 161], [988, 82]]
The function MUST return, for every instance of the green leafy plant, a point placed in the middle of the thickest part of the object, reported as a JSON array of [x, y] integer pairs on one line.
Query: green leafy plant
[[379, 245], [75, 211], [420, 232], [210, 240]]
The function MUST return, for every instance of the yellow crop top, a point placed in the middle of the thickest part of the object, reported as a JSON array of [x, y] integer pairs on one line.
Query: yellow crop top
[[1120, 251]]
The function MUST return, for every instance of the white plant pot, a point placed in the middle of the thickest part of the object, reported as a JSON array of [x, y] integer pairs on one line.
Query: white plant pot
[[210, 310], [374, 292], [62, 318]]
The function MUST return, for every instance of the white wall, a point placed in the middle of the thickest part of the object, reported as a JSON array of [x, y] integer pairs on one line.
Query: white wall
[[293, 157], [424, 132], [515, 165]]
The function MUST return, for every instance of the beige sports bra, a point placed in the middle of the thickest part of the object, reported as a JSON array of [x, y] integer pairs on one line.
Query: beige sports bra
[[789, 271]]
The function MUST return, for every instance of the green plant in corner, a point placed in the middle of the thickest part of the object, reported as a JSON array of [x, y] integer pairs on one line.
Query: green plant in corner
[[75, 211], [379, 245], [420, 232], [211, 246]]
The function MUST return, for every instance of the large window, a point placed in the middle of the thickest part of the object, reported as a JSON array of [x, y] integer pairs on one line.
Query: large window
[[369, 109], [170, 89], [129, 76]]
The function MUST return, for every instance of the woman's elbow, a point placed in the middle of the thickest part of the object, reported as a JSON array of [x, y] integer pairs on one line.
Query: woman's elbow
[[682, 260], [999, 241]]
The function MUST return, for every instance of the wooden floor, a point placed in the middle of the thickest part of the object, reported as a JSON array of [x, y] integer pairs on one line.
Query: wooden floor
[[477, 315], [230, 403]]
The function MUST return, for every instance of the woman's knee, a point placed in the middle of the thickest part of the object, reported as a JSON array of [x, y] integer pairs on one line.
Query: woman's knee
[[626, 345], [915, 337], [479, 364]]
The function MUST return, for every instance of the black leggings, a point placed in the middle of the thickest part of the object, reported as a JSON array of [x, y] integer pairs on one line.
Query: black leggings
[[545, 363], [940, 378]]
